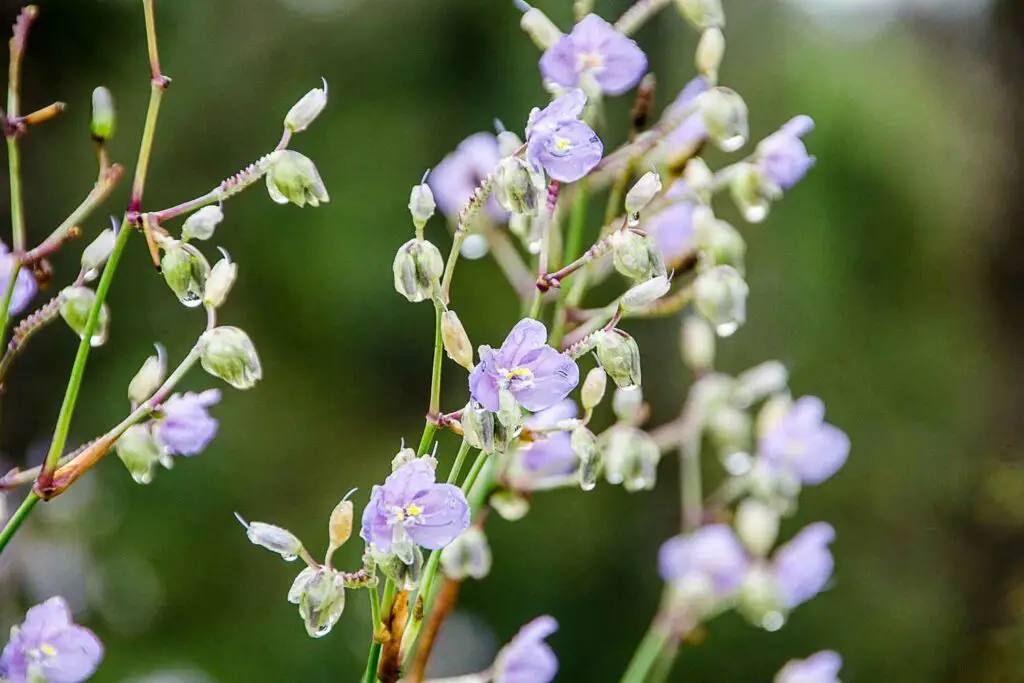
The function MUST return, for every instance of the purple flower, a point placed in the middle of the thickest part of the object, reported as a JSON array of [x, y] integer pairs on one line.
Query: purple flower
[[549, 457], [685, 138], [25, 287], [186, 427], [804, 566], [821, 667], [537, 375], [783, 157], [454, 179], [559, 142], [711, 553], [48, 646], [411, 509], [616, 62], [527, 658], [672, 230], [803, 444]]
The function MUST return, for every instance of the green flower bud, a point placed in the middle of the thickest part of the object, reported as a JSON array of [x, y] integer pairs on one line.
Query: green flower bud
[[759, 599], [139, 452], [202, 224], [710, 51], [456, 341], [757, 525], [149, 377], [593, 388], [273, 538], [700, 179], [628, 403], [509, 505], [510, 415], [584, 444], [292, 177], [96, 254], [320, 595], [418, 268], [75, 305], [725, 117], [222, 278], [702, 14], [641, 194], [104, 118], [720, 295], [468, 556], [518, 186], [646, 293], [773, 410], [698, 343], [421, 205], [619, 356], [752, 192], [478, 427], [636, 255], [759, 382], [305, 111], [730, 429], [508, 143], [228, 353], [630, 457], [185, 271], [405, 573]]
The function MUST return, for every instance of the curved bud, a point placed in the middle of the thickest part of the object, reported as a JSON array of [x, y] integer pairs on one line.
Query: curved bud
[[185, 271], [698, 343], [725, 117], [542, 31], [627, 404], [636, 255], [518, 186], [720, 295], [149, 377], [478, 427], [702, 14], [402, 458], [222, 279], [320, 595], [305, 111], [202, 223], [619, 356], [456, 341], [292, 177], [228, 353], [641, 194], [468, 556], [757, 525], [710, 52], [139, 452], [643, 295], [418, 268], [508, 143], [340, 525], [96, 254], [593, 388], [421, 204], [759, 382], [104, 118], [273, 538], [75, 305]]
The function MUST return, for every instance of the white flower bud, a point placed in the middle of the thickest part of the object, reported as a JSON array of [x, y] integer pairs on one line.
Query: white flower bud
[[185, 271], [700, 179], [542, 31], [222, 278], [698, 343], [456, 341], [759, 599], [292, 177], [305, 111], [320, 595], [773, 410], [96, 254], [518, 186], [478, 427], [402, 458], [752, 192], [593, 388], [757, 525], [468, 556], [702, 14], [509, 413], [630, 457], [730, 428], [418, 268], [139, 452], [641, 194], [273, 538], [718, 241], [228, 353], [421, 205], [202, 223], [508, 143], [75, 305], [645, 294], [149, 377], [759, 382], [720, 295], [627, 403], [584, 444], [104, 117], [636, 256], [710, 52], [619, 356], [725, 117]]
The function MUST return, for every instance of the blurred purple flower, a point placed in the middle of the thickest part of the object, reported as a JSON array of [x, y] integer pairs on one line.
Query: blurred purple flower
[[559, 142], [711, 553], [821, 667], [672, 229], [685, 138], [616, 62], [783, 157], [410, 508], [186, 427], [803, 444], [454, 179], [25, 287], [49, 647], [803, 567], [537, 375], [551, 454], [527, 658]]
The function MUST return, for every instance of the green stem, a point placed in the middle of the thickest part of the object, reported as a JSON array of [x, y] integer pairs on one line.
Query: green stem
[[460, 458], [5, 306], [17, 209], [692, 495], [373, 661], [646, 656], [17, 518], [435, 375], [573, 242]]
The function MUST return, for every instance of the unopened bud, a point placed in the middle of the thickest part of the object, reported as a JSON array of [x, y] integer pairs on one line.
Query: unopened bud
[[584, 444], [228, 353], [418, 268], [103, 121], [508, 143], [456, 341], [320, 595], [510, 505], [630, 457], [340, 525], [478, 427], [593, 388], [403, 565], [510, 415], [720, 295], [222, 278], [542, 31], [202, 224], [517, 185], [725, 118], [757, 525], [305, 111], [402, 458], [185, 271], [759, 382], [96, 254], [292, 177], [643, 295], [627, 403], [619, 356], [468, 556], [730, 428], [702, 14], [636, 255], [773, 410], [698, 343], [759, 599], [149, 377], [75, 305], [710, 52], [700, 179], [139, 452], [273, 538], [421, 205], [752, 192], [641, 194]]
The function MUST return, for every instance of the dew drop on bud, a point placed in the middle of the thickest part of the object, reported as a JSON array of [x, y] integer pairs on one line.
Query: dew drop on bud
[[773, 621]]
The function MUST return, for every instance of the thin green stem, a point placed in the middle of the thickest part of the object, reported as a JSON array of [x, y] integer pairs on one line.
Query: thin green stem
[[691, 493], [156, 93], [373, 661], [573, 242], [460, 458], [435, 375], [375, 629], [5, 306], [19, 516], [646, 656], [17, 209]]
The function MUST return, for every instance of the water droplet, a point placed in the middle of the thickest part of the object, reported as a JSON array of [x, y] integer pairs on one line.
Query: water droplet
[[738, 463], [143, 477], [90, 275], [322, 631], [288, 557], [727, 329], [533, 246], [633, 221], [755, 213], [733, 143], [474, 247], [773, 621]]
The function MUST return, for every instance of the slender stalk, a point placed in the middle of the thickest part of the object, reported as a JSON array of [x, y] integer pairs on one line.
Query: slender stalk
[[573, 241], [27, 329], [19, 516], [373, 657], [460, 458], [21, 26], [434, 409], [5, 305], [373, 661], [17, 209], [646, 655], [638, 15], [100, 191]]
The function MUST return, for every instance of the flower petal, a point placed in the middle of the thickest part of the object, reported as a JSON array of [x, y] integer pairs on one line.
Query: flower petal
[[528, 335], [555, 375], [445, 515]]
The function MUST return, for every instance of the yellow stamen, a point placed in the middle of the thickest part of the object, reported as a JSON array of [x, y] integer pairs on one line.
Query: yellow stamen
[[48, 650], [414, 510]]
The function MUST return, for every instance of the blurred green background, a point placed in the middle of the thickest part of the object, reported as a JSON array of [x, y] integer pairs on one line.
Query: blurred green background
[[888, 282]]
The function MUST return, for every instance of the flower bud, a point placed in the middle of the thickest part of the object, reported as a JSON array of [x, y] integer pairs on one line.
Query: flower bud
[[201, 224], [222, 278], [478, 427], [292, 177], [320, 595], [96, 254], [627, 403], [421, 205], [402, 458], [759, 599], [508, 143], [339, 527], [720, 295], [185, 271], [752, 192], [542, 31], [698, 343], [149, 377], [702, 14], [469, 555], [593, 388], [641, 194], [75, 305], [418, 268], [636, 256], [509, 413], [227, 352], [757, 525], [273, 538], [730, 428], [630, 457], [710, 51], [619, 356], [584, 444], [405, 573], [759, 382], [643, 295], [305, 111], [104, 117], [509, 505], [517, 186], [139, 452], [725, 118], [456, 341], [773, 410], [700, 179]]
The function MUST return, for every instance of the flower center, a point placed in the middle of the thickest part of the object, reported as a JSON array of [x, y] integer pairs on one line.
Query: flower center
[[44, 651], [517, 378], [409, 512], [590, 61], [560, 146]]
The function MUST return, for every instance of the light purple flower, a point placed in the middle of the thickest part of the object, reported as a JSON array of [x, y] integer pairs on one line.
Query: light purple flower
[[527, 658], [783, 157], [821, 667], [454, 179], [559, 142], [186, 427], [616, 62], [411, 508], [684, 139], [672, 230], [711, 553], [537, 375], [25, 287], [803, 444], [803, 567], [549, 455], [48, 646]]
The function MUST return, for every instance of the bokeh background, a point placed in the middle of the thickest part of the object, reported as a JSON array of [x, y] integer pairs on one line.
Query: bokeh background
[[888, 282]]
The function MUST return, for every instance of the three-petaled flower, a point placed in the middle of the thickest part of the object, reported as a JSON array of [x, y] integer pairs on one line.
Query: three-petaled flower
[[561, 144], [527, 658], [456, 178], [821, 667], [596, 48], [804, 445], [783, 157], [186, 427], [49, 647]]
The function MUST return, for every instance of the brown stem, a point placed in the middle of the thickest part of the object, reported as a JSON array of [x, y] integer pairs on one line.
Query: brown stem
[[390, 668], [447, 596]]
